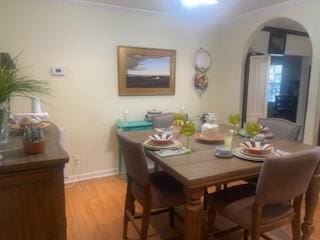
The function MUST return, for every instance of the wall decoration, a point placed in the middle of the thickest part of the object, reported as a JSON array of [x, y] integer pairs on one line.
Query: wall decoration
[[201, 80], [203, 61], [146, 71], [277, 43]]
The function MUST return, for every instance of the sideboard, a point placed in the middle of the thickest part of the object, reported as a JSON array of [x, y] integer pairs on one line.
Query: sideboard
[[32, 202]]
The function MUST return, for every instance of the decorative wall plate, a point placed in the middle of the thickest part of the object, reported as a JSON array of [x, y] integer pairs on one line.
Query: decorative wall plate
[[203, 60], [201, 80]]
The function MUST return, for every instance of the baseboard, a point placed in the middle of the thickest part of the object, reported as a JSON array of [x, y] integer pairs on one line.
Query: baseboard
[[91, 175]]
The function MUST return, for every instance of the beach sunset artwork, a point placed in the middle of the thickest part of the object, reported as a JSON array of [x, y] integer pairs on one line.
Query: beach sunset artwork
[[146, 71]]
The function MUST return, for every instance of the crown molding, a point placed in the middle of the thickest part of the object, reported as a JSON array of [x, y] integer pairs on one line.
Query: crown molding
[[100, 5], [222, 21]]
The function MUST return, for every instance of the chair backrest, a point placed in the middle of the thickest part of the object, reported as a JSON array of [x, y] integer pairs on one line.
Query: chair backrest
[[134, 158], [282, 128], [163, 120], [285, 178]]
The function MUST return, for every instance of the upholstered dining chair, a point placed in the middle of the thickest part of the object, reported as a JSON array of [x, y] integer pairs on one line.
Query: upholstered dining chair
[[163, 120], [276, 201], [282, 128], [156, 192]]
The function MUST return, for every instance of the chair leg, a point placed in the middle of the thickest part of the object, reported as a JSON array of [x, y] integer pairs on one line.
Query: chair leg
[[125, 226], [205, 197], [212, 214], [296, 223], [256, 219], [171, 216], [145, 222], [296, 229], [255, 235], [245, 235], [205, 200], [129, 206]]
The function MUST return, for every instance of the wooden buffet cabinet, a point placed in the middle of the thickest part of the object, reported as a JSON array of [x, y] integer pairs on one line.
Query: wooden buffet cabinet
[[32, 200]]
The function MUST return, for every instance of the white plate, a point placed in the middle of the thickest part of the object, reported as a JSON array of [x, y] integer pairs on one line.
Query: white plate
[[237, 152], [203, 60], [174, 145], [243, 133], [241, 150]]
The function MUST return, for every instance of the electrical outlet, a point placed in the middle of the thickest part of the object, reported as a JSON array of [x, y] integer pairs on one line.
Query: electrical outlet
[[76, 161]]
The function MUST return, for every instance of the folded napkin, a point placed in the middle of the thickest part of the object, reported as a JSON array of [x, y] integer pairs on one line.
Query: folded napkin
[[172, 152], [281, 153]]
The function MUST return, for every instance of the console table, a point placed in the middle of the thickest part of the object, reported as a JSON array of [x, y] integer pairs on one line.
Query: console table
[[32, 202], [131, 126]]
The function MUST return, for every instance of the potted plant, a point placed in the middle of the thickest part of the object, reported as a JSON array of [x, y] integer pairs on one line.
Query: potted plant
[[14, 82], [33, 141]]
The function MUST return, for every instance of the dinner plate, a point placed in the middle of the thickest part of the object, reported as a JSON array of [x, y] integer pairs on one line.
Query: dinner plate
[[215, 139], [243, 133], [238, 153], [173, 145], [244, 151]]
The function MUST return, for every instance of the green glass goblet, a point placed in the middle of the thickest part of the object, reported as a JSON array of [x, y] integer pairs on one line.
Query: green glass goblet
[[188, 129]]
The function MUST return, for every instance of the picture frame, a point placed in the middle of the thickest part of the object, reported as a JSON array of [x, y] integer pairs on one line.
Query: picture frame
[[277, 43], [146, 71]]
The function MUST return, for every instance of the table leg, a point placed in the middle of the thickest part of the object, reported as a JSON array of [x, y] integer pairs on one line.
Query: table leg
[[312, 197], [193, 214]]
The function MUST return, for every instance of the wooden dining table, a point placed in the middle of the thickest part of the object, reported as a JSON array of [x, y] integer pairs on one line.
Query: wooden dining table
[[200, 169]]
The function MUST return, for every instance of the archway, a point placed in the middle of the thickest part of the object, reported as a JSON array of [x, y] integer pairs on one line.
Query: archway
[[277, 68]]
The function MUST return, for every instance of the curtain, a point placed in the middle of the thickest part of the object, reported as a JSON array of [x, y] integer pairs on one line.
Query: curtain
[[257, 100], [303, 94]]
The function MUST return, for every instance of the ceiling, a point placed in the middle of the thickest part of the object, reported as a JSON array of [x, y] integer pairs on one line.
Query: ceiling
[[225, 8]]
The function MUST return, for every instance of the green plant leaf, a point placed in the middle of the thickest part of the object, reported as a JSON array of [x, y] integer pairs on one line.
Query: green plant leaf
[[14, 82]]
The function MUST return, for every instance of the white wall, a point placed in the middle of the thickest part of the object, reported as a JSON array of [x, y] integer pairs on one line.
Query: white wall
[[260, 42], [296, 45], [84, 39], [229, 46], [299, 46]]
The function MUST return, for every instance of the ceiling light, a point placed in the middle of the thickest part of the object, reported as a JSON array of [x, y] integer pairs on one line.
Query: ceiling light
[[197, 3]]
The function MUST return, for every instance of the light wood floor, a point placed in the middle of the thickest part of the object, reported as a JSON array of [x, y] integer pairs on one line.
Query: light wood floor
[[95, 212]]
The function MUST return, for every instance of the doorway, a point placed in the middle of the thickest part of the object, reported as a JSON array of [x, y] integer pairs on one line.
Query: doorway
[[276, 80]]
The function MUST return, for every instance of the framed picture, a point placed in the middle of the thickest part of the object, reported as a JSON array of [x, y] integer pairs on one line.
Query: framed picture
[[277, 43], [146, 71]]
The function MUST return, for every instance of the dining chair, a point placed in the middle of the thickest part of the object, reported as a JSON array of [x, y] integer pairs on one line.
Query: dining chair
[[282, 128], [156, 192], [163, 120], [276, 201]]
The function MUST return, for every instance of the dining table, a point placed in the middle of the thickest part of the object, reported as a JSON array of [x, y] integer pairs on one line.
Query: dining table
[[201, 169]]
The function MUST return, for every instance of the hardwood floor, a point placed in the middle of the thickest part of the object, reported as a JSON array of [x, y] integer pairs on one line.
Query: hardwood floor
[[95, 212]]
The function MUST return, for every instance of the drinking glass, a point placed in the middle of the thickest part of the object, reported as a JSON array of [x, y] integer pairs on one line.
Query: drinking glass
[[188, 129], [252, 129], [235, 120], [228, 137]]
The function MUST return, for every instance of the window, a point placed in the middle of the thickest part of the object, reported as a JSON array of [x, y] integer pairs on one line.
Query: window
[[274, 84]]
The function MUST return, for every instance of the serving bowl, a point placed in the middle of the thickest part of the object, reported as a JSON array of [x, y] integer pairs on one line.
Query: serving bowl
[[256, 147], [161, 139]]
